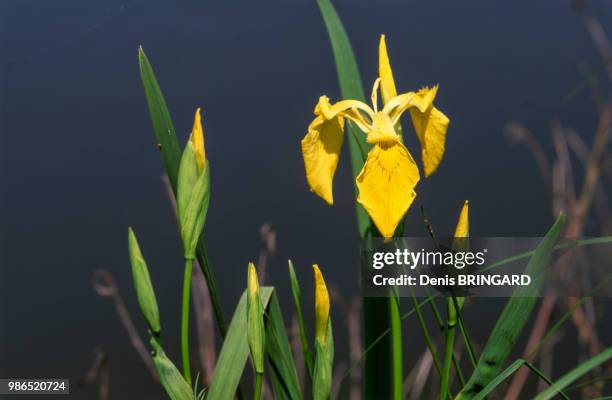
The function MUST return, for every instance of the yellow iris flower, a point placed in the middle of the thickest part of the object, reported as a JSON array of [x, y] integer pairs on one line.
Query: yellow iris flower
[[388, 178]]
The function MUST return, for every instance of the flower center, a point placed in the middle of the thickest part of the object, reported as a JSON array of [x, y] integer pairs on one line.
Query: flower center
[[382, 129]]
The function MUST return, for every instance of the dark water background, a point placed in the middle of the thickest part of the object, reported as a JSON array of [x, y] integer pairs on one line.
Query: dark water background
[[79, 163]]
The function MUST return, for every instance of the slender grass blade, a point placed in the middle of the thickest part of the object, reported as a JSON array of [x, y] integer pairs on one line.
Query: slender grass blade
[[512, 319], [574, 374], [297, 299]]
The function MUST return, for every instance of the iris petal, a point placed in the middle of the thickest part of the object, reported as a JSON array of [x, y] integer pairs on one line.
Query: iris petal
[[387, 83], [430, 127], [321, 151], [386, 185]]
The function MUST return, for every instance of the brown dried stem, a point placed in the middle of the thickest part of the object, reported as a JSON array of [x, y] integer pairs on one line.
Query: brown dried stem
[[99, 369]]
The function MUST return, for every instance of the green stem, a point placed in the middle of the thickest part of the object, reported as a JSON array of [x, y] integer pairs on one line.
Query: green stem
[[258, 384], [396, 345], [464, 333], [442, 327], [425, 331], [449, 349], [211, 282], [185, 320], [375, 324]]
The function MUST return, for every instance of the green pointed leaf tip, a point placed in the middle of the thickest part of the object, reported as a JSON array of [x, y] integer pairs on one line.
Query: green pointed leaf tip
[[279, 353], [193, 196], [255, 322], [510, 323], [142, 284], [163, 128], [171, 379]]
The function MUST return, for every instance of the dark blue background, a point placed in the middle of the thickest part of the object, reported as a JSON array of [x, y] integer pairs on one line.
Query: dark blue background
[[79, 163]]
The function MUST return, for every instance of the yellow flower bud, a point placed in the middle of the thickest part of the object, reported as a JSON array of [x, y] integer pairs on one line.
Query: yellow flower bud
[[255, 322], [321, 305], [463, 225], [197, 139]]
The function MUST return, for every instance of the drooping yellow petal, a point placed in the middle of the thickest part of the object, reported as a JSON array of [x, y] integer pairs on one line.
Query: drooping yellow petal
[[463, 225], [357, 111], [387, 83], [329, 111], [324, 108], [321, 305], [197, 139], [321, 151], [386, 185], [430, 126]]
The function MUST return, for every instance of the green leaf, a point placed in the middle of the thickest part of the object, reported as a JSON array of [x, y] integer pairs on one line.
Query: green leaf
[[499, 379], [171, 379], [575, 374], [279, 353], [297, 299], [193, 196], [143, 286], [234, 352], [162, 123], [350, 88], [513, 318], [509, 371], [280, 392], [171, 155]]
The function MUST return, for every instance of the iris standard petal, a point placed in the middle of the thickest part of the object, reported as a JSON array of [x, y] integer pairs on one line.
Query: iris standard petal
[[386, 185], [321, 151], [387, 83], [430, 127]]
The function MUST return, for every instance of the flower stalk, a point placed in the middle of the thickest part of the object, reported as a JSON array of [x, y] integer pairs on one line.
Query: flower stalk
[[193, 195], [185, 320], [454, 304]]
